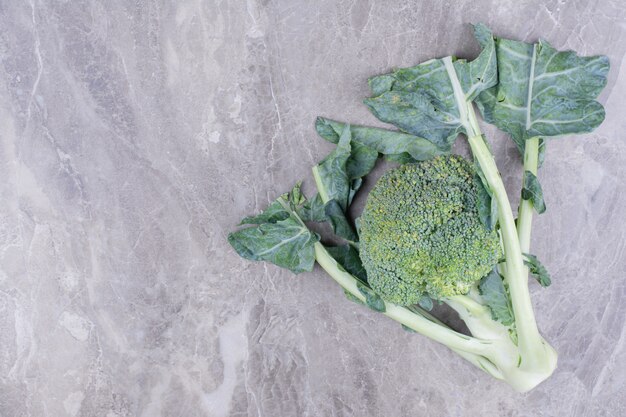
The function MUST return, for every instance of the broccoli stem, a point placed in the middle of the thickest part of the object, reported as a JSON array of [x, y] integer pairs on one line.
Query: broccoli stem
[[417, 322], [525, 214], [534, 351]]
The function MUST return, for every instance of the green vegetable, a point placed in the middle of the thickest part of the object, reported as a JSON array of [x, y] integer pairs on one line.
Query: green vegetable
[[439, 227], [427, 210]]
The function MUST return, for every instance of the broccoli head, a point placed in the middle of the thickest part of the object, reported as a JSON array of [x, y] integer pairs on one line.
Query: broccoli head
[[421, 232]]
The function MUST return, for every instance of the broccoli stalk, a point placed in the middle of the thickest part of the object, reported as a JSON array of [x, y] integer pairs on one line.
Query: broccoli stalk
[[536, 356]]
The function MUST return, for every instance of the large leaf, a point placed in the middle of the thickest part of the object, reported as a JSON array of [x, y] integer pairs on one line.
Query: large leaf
[[544, 92], [432, 100], [397, 146]]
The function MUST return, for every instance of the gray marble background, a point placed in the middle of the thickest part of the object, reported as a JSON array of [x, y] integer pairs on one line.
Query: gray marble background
[[135, 134]]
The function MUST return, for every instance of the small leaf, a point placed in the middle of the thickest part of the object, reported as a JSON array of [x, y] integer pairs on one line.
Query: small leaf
[[537, 270], [352, 297], [426, 302], [348, 257], [355, 185], [338, 221], [372, 299], [494, 294], [532, 191], [408, 329]]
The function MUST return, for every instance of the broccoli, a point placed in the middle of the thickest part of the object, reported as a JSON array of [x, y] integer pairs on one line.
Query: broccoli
[[421, 232], [438, 227]]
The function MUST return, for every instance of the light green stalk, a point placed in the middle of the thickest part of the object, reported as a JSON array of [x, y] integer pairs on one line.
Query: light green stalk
[[525, 216]]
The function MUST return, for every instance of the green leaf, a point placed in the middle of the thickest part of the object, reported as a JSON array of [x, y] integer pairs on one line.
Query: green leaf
[[286, 243], [408, 329], [338, 221], [426, 302], [312, 210], [494, 294], [537, 270], [361, 162], [331, 175], [355, 186], [372, 299], [484, 203], [544, 92], [348, 257], [396, 146], [431, 100], [353, 298], [273, 213], [532, 191]]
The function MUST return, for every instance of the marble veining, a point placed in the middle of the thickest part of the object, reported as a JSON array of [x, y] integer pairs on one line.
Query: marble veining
[[135, 135]]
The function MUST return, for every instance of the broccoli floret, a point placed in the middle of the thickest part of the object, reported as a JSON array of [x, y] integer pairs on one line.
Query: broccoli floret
[[421, 232]]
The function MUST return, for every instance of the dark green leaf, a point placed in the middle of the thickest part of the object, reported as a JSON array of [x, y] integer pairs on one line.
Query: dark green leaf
[[484, 205], [348, 257], [408, 329], [544, 92], [312, 210], [286, 243], [397, 146], [426, 303], [372, 299], [537, 270], [353, 298], [532, 191], [362, 160], [494, 294], [273, 213], [355, 185], [337, 219], [431, 100], [331, 175]]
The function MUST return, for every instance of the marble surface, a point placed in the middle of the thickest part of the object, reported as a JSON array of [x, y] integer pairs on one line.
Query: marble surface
[[135, 135]]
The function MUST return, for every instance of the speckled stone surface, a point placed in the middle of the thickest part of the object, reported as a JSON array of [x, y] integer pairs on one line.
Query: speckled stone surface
[[135, 135]]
